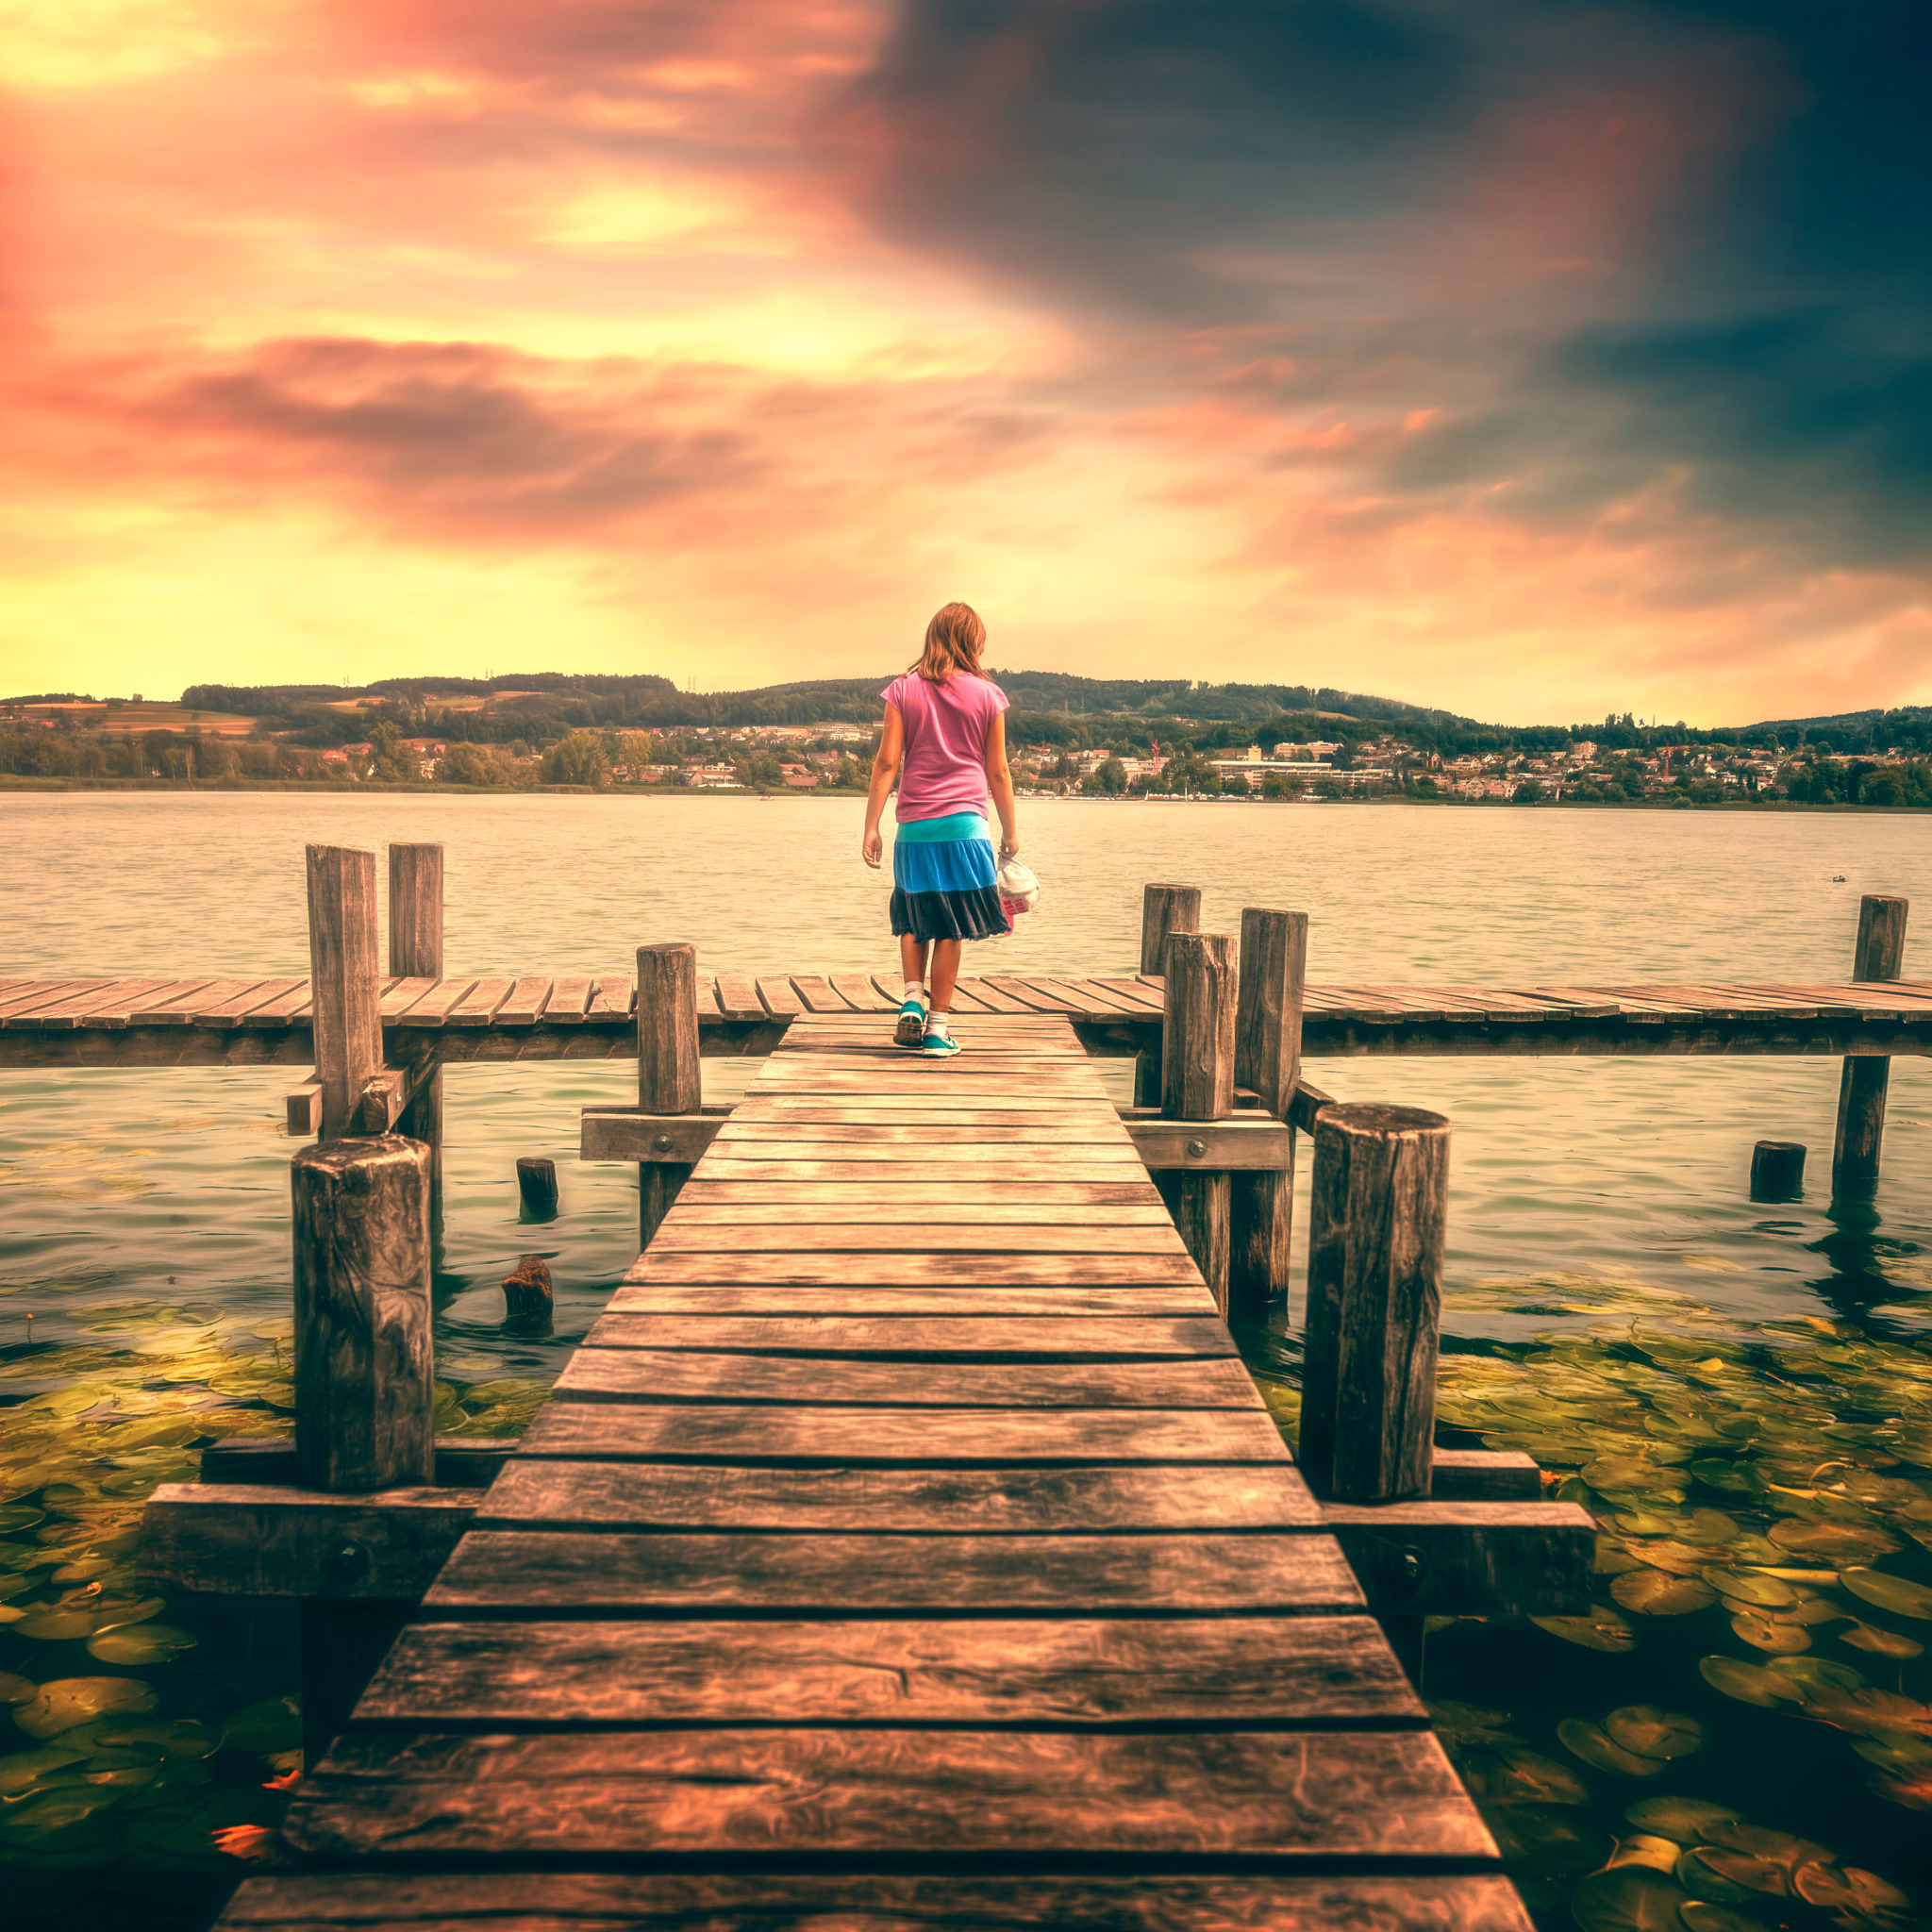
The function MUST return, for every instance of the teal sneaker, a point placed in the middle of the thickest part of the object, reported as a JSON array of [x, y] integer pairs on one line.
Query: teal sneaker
[[939, 1046], [910, 1030]]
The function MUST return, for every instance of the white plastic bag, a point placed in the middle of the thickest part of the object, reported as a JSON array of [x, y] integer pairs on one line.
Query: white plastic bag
[[1018, 888]]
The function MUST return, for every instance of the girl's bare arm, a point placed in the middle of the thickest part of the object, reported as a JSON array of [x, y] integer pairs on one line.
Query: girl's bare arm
[[999, 779], [885, 768]]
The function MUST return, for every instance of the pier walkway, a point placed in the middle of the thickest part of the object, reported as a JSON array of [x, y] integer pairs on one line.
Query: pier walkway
[[907, 1546], [185, 1020]]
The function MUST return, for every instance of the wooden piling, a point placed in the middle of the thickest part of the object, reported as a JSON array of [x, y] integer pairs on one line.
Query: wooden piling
[[1267, 1060], [537, 1185], [1879, 955], [1777, 1171], [1164, 910], [1375, 1238], [346, 1016], [1197, 1084], [365, 1401], [669, 1080], [415, 952]]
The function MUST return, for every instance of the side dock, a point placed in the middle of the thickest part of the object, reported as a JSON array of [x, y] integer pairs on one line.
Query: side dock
[[907, 1546]]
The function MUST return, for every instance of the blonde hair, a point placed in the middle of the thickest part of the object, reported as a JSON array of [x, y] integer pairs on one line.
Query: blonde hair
[[953, 640]]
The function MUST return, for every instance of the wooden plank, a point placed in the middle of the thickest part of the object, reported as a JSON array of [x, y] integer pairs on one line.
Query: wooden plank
[[668, 1375], [906, 1270], [911, 1235], [561, 1901], [860, 994], [990, 1795], [737, 997], [535, 1495], [438, 1004], [45, 993], [748, 1207], [629, 1134], [776, 1110], [947, 1300], [702, 1190], [1222, 1673], [776, 998], [1028, 996], [569, 1001], [1140, 999], [291, 1008], [231, 1012], [477, 1006], [399, 995], [986, 1338], [816, 995], [612, 997], [525, 1003], [113, 1000], [1116, 1151], [1093, 1001], [748, 1129], [260, 1539], [1211, 1147], [462, 1462], [1469, 1559], [882, 1173], [990, 998], [929, 1439], [1487, 1475], [173, 1009], [869, 1575]]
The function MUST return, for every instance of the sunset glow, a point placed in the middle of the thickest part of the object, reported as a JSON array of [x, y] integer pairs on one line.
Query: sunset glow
[[1530, 361]]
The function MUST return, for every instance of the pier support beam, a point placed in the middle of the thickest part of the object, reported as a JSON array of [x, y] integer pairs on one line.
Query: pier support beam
[[1163, 909], [1879, 954], [1267, 1061], [1197, 1084], [415, 952], [669, 1080], [346, 997]]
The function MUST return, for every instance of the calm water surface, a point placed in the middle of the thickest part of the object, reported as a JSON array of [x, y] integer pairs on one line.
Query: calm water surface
[[142, 1228]]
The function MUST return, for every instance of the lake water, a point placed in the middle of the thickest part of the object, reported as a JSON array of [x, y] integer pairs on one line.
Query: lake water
[[143, 1227]]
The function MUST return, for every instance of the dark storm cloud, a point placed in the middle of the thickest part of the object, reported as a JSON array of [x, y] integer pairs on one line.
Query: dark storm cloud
[[1750, 339]]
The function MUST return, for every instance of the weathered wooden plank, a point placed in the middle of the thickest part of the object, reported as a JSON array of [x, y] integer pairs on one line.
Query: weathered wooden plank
[[1116, 1151], [1484, 1475], [557, 1900], [906, 1270], [624, 1133], [38, 993], [737, 997], [747, 1129], [993, 1795], [1010, 1111], [931, 1438], [911, 1192], [612, 997], [1140, 999], [815, 993], [991, 998], [1211, 1147], [400, 995], [883, 1173], [527, 1000], [914, 1235], [860, 994], [234, 1010], [479, 1006], [569, 1001], [778, 1000], [462, 1462], [292, 1006], [260, 1539], [170, 1009], [867, 1576], [660, 1376], [945, 1300], [38, 1006], [836, 1207], [990, 1339], [1469, 1559], [435, 1006], [1221, 1673]]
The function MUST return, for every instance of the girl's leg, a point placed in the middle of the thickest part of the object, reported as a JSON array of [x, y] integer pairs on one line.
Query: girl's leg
[[945, 974], [913, 956]]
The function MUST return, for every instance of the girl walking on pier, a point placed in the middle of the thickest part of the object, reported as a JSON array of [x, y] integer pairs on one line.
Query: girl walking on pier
[[945, 742]]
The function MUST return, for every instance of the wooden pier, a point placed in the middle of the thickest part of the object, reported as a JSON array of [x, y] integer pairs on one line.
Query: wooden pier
[[907, 1546]]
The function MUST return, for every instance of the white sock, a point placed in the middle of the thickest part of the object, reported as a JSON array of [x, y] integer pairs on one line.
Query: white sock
[[940, 1023], [915, 990]]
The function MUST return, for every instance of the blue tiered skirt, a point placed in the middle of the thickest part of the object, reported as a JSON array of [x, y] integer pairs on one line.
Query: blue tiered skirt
[[944, 881]]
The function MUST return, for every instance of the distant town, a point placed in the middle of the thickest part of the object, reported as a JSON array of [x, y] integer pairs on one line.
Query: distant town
[[554, 734]]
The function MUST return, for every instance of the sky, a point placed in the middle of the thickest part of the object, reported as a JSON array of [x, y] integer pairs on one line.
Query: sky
[[1535, 359]]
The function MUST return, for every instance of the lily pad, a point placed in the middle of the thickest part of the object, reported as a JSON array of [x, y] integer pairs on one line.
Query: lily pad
[[1658, 1594], [1597, 1748], [1651, 1733], [180, 1739], [1749, 1587], [56, 1626], [1631, 1898], [1766, 1842], [15, 1690], [70, 1701], [139, 1644], [1709, 1871], [1880, 1642], [1817, 1673], [63, 1814], [1746, 1683], [1863, 1894], [1899, 1594], [21, 1771], [1603, 1629], [1551, 1842], [1834, 1542], [274, 1724], [1642, 1848], [1769, 1633], [1685, 1819]]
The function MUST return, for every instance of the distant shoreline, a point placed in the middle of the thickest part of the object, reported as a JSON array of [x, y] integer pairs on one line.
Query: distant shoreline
[[428, 787]]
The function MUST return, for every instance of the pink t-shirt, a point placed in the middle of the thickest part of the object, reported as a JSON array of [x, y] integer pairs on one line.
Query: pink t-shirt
[[946, 726]]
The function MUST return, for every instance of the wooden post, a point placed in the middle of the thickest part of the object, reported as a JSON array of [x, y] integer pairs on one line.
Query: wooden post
[[415, 952], [1197, 1084], [669, 1080], [1777, 1171], [365, 1400], [537, 1185], [347, 985], [1879, 954], [1163, 909], [1268, 1061], [1375, 1234]]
